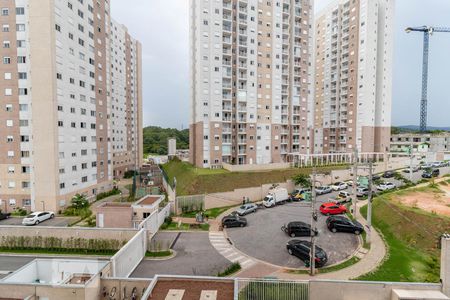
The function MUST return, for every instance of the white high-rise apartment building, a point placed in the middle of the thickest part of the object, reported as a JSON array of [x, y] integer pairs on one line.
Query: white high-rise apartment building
[[250, 80], [70, 102], [353, 76]]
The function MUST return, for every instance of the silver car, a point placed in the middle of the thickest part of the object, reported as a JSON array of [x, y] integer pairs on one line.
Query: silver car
[[246, 209]]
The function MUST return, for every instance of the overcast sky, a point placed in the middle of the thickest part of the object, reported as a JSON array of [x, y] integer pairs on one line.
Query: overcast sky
[[163, 28]]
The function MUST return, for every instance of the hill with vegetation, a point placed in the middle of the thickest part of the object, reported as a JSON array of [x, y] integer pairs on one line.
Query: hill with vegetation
[[155, 139]]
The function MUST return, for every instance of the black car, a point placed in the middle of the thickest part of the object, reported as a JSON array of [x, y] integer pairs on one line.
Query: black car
[[233, 221], [4, 216], [388, 174], [431, 173], [376, 177], [298, 228], [342, 224], [302, 250]]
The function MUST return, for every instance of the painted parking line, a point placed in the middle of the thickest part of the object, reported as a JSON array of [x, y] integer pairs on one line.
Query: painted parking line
[[222, 245]]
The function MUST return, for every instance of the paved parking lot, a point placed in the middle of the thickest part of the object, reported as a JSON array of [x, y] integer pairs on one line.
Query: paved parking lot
[[195, 256], [263, 239], [57, 221]]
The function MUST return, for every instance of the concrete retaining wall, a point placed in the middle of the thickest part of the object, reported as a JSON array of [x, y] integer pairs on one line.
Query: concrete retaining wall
[[249, 168]]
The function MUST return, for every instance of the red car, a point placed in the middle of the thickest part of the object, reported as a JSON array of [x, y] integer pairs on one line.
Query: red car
[[332, 209]]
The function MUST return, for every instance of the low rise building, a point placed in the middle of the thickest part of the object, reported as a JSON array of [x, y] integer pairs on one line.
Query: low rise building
[[420, 142], [126, 214]]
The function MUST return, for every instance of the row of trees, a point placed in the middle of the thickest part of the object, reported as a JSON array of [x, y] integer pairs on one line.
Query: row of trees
[[155, 139]]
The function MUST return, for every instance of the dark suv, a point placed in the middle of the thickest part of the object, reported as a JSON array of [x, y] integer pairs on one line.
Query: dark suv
[[302, 250], [233, 221], [431, 173], [294, 229], [342, 224]]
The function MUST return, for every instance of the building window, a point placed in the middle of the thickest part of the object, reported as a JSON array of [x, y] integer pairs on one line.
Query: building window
[[6, 60], [26, 202], [5, 12], [20, 11]]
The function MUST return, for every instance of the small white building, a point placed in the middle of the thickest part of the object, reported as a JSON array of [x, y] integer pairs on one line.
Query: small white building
[[172, 147]]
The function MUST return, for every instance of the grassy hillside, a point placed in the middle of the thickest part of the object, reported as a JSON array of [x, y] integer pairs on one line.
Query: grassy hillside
[[155, 139], [193, 181], [412, 236]]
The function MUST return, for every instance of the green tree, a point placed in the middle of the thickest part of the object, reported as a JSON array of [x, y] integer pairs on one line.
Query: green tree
[[79, 201], [155, 139], [302, 180]]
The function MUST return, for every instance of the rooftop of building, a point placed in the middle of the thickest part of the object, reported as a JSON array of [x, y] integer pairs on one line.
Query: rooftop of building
[[149, 200], [56, 272]]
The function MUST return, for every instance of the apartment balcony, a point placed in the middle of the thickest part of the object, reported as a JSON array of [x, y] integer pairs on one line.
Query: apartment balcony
[[243, 31], [242, 130], [243, 53], [227, 5], [226, 108], [226, 130], [226, 40], [226, 63], [227, 28], [226, 119], [285, 62], [226, 96], [242, 141], [226, 141], [242, 20], [227, 16], [226, 51]]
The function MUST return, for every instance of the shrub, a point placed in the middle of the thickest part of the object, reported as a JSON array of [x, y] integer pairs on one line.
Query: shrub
[[114, 191], [129, 174], [230, 270]]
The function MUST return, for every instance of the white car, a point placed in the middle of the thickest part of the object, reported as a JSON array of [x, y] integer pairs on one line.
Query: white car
[[37, 217], [385, 186], [339, 186]]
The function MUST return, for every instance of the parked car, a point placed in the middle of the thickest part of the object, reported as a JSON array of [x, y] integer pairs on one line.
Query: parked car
[[332, 208], [321, 190], [342, 198], [426, 166], [299, 194], [297, 228], [339, 186], [275, 197], [414, 169], [386, 186], [247, 209], [233, 221], [4, 216], [376, 177], [362, 191], [430, 173], [37, 217], [388, 174], [343, 224], [349, 182], [302, 250]]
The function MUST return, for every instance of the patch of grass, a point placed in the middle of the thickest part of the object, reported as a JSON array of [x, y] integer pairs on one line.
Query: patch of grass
[[210, 213], [412, 237], [158, 253], [184, 226], [335, 268], [230, 270], [60, 251], [193, 181]]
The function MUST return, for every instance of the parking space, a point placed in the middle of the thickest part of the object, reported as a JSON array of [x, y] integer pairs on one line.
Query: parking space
[[263, 239], [195, 256], [56, 222]]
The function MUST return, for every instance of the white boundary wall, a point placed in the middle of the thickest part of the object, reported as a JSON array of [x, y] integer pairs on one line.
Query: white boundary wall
[[128, 258]]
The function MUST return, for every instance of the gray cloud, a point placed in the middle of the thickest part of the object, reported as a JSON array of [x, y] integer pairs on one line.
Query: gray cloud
[[163, 28]]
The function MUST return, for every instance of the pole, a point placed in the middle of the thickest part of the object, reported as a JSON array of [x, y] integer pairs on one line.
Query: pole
[[423, 101], [355, 180], [313, 225], [411, 162], [369, 205]]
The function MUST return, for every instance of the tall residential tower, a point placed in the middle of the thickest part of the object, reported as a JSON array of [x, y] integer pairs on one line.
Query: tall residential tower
[[70, 102], [353, 76], [250, 80]]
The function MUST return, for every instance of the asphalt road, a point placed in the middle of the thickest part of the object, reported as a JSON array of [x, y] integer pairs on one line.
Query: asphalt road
[[195, 256], [13, 263], [57, 222], [263, 239]]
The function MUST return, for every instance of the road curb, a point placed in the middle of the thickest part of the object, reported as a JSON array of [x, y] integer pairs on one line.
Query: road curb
[[43, 255], [174, 253]]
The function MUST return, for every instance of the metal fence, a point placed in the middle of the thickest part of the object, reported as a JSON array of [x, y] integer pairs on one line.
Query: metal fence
[[128, 258], [190, 203], [271, 289]]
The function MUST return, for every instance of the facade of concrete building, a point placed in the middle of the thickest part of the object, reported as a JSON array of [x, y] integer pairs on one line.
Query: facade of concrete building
[[250, 80], [353, 76], [59, 135], [420, 142]]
